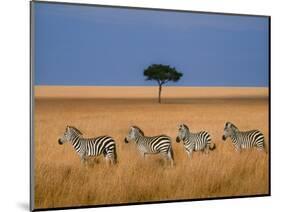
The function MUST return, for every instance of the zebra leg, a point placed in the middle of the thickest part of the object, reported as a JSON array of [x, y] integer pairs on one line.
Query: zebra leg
[[165, 156], [107, 160], [238, 149], [261, 148], [109, 157], [207, 148], [190, 154], [143, 154], [84, 160], [169, 161], [170, 158], [112, 160]]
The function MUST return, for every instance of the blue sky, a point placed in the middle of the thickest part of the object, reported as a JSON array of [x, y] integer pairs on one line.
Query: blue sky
[[82, 45]]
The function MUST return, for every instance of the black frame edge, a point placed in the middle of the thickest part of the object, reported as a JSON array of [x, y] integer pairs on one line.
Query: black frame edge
[[269, 105], [147, 8]]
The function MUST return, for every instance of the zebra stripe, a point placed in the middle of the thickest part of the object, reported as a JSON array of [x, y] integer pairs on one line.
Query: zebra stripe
[[86, 147], [160, 144], [243, 140], [200, 141]]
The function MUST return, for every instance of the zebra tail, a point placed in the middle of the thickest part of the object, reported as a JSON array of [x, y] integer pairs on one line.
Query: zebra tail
[[115, 156], [172, 152], [212, 146], [265, 148]]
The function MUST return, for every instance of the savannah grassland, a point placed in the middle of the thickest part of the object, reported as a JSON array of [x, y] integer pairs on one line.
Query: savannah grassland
[[61, 180]]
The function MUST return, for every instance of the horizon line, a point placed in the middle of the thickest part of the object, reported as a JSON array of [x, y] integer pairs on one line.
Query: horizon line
[[191, 86]]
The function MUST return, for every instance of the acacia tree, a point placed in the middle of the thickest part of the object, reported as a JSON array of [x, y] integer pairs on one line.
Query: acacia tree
[[161, 74]]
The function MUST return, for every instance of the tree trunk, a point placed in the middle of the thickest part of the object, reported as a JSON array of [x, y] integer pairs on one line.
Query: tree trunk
[[159, 94]]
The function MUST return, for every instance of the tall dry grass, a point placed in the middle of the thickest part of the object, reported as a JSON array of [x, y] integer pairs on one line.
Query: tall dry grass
[[61, 180]]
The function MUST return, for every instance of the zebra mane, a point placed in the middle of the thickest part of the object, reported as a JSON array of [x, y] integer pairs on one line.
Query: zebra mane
[[76, 130], [185, 126], [136, 127], [232, 126]]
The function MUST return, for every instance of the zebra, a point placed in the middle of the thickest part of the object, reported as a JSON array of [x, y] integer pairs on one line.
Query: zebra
[[243, 140], [200, 141], [86, 147], [160, 144]]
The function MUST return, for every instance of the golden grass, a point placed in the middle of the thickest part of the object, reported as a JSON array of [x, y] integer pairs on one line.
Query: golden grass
[[61, 180], [148, 92]]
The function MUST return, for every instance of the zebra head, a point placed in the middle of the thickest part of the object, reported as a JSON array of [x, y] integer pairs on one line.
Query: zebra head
[[183, 131], [69, 134], [134, 132], [229, 130]]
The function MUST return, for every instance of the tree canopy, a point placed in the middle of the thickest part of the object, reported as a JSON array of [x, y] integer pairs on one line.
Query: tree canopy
[[162, 73]]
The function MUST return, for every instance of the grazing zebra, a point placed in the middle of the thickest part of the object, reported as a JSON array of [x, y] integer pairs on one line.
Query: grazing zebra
[[86, 147], [160, 144], [243, 140], [200, 141]]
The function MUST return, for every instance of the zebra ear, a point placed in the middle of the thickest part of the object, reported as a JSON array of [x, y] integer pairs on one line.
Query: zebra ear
[[234, 127], [185, 126]]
